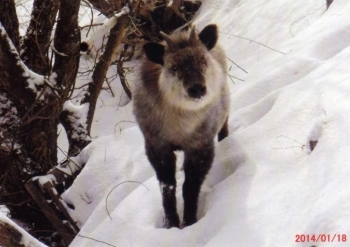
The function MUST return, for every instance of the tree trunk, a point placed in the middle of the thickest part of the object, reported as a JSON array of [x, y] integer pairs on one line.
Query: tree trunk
[[36, 42], [33, 93], [30, 109], [8, 18]]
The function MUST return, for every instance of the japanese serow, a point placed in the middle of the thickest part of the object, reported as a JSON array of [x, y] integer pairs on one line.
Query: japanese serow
[[181, 102]]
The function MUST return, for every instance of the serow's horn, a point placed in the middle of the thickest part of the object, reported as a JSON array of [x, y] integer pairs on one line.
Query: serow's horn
[[193, 37], [167, 39]]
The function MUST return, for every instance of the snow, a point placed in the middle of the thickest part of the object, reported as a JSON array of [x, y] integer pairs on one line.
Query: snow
[[94, 41], [8, 117], [266, 185], [34, 80], [77, 114], [27, 240], [5, 211], [49, 178]]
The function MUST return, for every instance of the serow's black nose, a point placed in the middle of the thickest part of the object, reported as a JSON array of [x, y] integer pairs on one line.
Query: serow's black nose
[[196, 91]]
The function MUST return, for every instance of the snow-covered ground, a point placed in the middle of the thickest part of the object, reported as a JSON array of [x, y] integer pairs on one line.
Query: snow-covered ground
[[25, 239], [267, 186]]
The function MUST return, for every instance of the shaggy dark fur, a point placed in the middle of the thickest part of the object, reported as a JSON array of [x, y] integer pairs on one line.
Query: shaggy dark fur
[[182, 103]]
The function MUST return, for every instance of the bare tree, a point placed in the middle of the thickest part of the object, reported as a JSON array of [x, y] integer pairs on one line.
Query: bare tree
[[37, 78], [32, 102]]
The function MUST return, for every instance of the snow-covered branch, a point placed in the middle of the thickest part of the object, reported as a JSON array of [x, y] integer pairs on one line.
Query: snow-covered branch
[[87, 44], [74, 120], [13, 235], [114, 40]]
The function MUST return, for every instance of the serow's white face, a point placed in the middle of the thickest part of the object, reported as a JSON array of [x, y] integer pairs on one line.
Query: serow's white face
[[189, 73], [185, 79]]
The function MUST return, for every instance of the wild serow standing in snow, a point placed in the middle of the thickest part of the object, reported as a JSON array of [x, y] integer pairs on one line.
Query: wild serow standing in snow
[[181, 103]]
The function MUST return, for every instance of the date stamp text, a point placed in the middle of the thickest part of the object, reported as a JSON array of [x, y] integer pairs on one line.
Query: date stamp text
[[323, 238]]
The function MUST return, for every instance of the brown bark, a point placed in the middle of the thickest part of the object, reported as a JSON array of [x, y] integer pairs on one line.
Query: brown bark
[[67, 41], [10, 236], [8, 18], [12, 80], [39, 128], [18, 99], [21, 156], [66, 230], [36, 42], [32, 141], [121, 73], [31, 132], [66, 45], [103, 6], [78, 137]]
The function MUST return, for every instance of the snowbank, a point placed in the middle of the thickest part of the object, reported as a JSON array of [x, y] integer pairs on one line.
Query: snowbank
[[267, 184], [22, 237]]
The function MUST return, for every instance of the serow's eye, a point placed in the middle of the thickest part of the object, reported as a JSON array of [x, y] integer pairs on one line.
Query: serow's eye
[[174, 68]]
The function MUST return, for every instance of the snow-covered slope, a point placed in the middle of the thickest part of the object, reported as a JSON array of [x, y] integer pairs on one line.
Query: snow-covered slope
[[267, 186]]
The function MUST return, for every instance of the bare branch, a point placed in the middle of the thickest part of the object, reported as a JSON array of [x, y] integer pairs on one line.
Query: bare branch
[[12, 80], [13, 235], [117, 33], [66, 41], [37, 39], [121, 73], [8, 18]]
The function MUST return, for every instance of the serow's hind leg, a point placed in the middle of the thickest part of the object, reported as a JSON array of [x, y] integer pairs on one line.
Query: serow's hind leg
[[197, 164], [164, 164], [224, 131]]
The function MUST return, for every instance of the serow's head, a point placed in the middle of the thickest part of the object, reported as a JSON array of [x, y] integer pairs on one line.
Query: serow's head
[[186, 65]]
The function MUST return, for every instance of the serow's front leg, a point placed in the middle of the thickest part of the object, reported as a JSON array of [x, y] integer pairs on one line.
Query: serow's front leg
[[163, 161], [197, 164]]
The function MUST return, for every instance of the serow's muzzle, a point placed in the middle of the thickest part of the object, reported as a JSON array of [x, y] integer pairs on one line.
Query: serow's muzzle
[[196, 91]]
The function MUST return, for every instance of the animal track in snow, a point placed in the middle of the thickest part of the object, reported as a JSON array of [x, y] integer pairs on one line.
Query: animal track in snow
[[315, 135], [253, 113]]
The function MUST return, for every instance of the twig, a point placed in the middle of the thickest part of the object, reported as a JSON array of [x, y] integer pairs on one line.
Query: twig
[[231, 79], [120, 72], [68, 161], [88, 200], [55, 90], [91, 25], [92, 17], [290, 147], [57, 52], [235, 77], [124, 121], [18, 204], [290, 27], [116, 187], [96, 240], [255, 42], [109, 86], [78, 235], [237, 65]]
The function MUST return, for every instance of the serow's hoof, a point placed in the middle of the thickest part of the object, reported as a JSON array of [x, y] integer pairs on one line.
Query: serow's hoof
[[171, 221], [187, 223]]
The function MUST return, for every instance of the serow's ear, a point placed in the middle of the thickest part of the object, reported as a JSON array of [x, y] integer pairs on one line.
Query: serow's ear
[[209, 36], [154, 52]]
